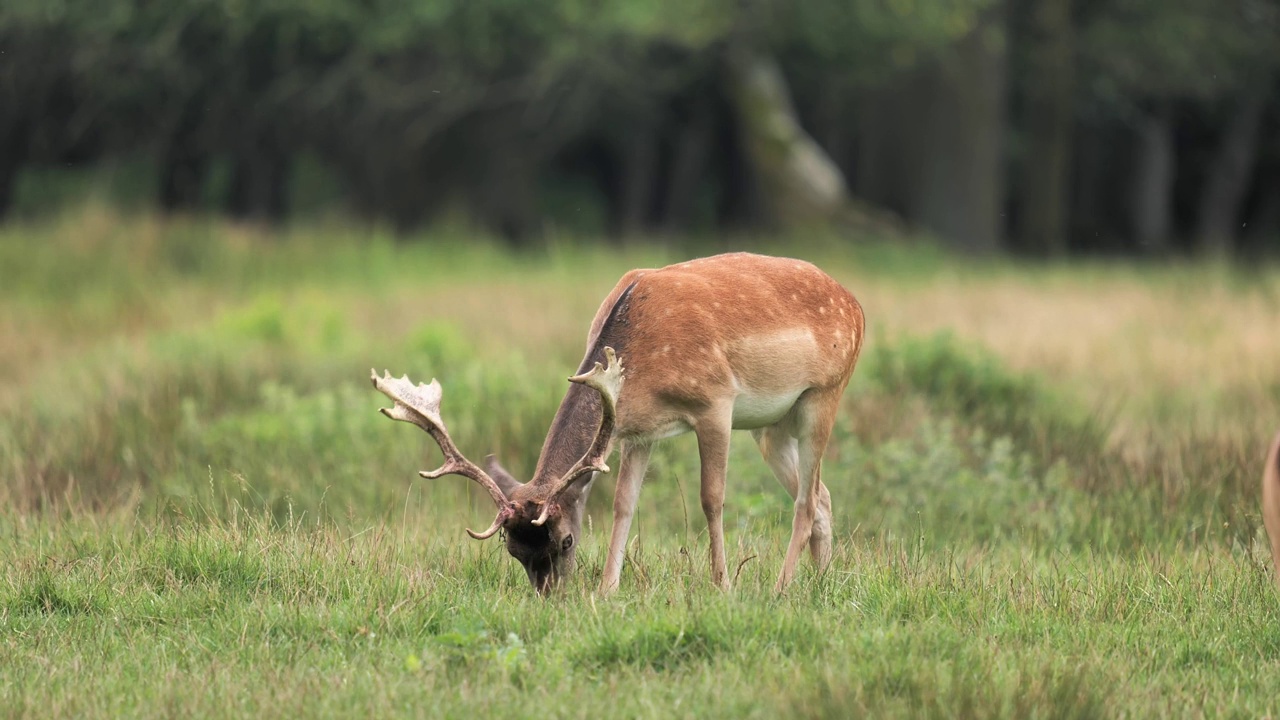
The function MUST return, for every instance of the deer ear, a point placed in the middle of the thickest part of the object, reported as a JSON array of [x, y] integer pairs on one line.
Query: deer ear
[[506, 482]]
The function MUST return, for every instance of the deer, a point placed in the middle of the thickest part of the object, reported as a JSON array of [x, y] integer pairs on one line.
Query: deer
[[736, 341], [1271, 501]]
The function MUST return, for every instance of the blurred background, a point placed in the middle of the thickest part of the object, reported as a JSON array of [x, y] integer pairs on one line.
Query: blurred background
[[1036, 127]]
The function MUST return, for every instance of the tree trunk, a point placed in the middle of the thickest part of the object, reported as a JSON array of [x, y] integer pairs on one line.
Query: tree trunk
[[8, 177], [1092, 173], [183, 165], [637, 181], [1264, 225], [259, 182], [887, 154], [13, 150], [1229, 175], [959, 191], [1152, 192], [506, 199], [688, 165], [1049, 100], [799, 182]]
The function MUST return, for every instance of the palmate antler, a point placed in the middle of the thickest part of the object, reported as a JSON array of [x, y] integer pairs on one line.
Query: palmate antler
[[420, 404], [608, 382]]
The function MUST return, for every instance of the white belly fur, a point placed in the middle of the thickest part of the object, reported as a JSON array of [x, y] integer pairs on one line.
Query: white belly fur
[[751, 410]]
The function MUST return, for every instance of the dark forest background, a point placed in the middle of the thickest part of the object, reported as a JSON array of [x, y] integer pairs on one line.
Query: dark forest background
[[1040, 127]]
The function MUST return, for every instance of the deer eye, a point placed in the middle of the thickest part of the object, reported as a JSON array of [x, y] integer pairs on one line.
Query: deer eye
[[567, 542]]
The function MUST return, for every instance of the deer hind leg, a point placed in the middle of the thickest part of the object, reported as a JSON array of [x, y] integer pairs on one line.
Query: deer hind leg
[[713, 453], [1271, 502], [781, 451], [814, 415], [633, 461]]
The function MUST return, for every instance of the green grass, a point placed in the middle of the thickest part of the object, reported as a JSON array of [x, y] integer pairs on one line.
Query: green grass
[[162, 618], [204, 515]]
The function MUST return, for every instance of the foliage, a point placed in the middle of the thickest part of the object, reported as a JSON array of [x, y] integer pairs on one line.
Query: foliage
[[1185, 49], [545, 116], [870, 40], [975, 386]]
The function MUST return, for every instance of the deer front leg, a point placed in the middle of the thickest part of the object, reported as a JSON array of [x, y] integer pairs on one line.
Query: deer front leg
[[634, 459], [713, 452]]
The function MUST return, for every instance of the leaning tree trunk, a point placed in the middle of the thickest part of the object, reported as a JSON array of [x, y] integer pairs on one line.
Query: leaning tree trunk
[[1152, 199], [799, 183], [1229, 176], [1049, 90], [831, 127]]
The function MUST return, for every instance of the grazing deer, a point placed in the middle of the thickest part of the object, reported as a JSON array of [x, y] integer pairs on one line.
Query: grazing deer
[[735, 341], [1271, 501]]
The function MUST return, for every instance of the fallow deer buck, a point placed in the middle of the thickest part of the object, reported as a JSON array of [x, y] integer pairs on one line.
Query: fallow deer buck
[[735, 341], [1271, 501]]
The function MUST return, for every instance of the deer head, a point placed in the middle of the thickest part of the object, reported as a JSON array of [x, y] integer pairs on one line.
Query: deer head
[[541, 522]]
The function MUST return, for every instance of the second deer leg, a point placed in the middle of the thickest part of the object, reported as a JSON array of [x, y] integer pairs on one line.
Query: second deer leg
[[814, 414], [781, 450]]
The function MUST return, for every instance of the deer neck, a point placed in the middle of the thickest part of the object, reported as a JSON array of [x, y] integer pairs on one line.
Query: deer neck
[[571, 434], [577, 420]]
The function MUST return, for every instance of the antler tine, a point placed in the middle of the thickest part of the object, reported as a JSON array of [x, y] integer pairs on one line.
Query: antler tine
[[608, 382], [419, 404], [503, 515]]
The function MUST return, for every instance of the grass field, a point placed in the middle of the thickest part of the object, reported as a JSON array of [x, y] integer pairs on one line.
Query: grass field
[[1044, 480]]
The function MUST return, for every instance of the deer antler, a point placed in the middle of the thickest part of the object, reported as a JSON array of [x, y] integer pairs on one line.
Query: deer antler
[[608, 382], [420, 404]]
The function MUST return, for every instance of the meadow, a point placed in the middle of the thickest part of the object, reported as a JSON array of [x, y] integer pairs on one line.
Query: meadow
[[1045, 481]]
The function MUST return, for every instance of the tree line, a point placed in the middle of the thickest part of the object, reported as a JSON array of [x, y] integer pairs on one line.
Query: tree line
[[1037, 126]]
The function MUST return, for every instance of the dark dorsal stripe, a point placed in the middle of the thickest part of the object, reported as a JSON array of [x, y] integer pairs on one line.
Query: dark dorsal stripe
[[610, 331]]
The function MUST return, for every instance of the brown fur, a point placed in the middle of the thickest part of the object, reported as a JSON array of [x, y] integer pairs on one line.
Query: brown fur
[[687, 330], [1271, 501], [695, 339]]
